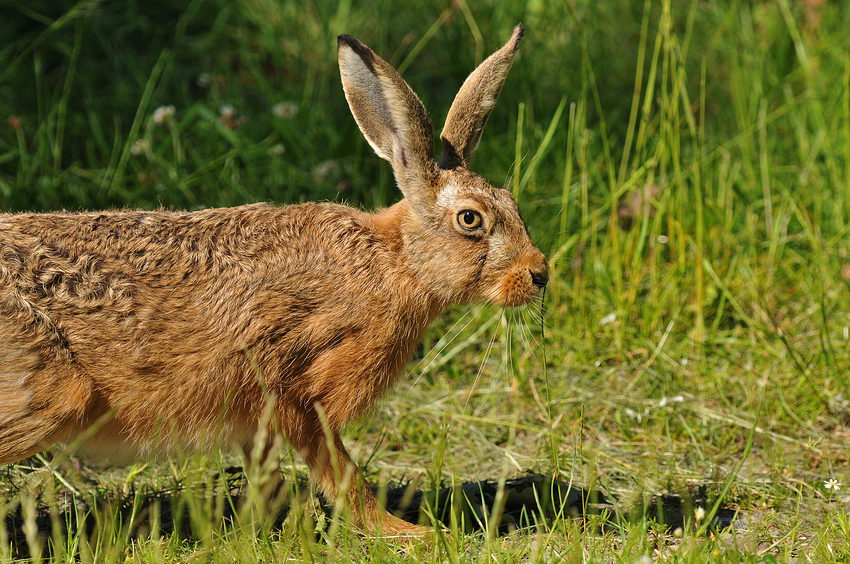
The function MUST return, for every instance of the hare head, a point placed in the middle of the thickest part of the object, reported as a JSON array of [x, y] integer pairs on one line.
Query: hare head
[[464, 238]]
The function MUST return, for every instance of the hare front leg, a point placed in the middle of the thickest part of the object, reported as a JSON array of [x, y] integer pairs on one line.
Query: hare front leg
[[340, 481]]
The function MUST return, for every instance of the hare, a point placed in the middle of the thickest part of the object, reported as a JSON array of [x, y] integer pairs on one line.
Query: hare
[[166, 328]]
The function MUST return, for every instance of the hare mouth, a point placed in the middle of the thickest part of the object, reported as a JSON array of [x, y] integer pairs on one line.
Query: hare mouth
[[515, 290], [522, 299]]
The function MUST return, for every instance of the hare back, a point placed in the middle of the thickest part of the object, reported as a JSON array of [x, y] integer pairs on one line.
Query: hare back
[[175, 326]]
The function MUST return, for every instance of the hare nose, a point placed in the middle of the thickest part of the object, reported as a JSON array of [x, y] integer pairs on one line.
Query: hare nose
[[540, 279]]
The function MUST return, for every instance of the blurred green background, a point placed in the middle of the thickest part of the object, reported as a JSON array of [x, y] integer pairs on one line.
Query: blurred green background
[[82, 81]]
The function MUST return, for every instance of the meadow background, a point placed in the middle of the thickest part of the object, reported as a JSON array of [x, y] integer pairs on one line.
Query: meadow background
[[684, 165]]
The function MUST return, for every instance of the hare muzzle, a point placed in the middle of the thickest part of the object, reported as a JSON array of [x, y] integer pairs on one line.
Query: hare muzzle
[[525, 283]]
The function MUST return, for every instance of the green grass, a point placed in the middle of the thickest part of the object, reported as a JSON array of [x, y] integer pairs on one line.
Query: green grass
[[702, 342]]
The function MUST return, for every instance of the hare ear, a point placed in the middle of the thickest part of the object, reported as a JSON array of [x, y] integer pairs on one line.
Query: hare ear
[[473, 104], [391, 117]]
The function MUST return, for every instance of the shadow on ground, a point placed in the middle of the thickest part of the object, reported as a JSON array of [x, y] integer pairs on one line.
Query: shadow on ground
[[529, 501]]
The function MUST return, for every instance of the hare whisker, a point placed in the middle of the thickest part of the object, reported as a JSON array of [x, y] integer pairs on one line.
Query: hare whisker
[[443, 343], [528, 334], [483, 363]]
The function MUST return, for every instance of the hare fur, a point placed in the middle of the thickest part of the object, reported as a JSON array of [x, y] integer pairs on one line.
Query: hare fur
[[172, 330]]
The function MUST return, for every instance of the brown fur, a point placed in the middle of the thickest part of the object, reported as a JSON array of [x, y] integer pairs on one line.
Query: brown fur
[[173, 330]]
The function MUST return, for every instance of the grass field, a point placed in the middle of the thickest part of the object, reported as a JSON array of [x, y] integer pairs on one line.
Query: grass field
[[684, 165]]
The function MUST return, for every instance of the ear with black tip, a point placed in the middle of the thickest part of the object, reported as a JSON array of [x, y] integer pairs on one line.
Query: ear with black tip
[[473, 104], [391, 117]]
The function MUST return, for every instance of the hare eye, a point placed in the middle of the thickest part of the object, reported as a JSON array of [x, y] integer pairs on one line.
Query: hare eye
[[469, 219]]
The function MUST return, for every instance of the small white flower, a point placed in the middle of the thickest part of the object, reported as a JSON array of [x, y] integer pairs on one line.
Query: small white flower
[[139, 147], [325, 169], [229, 118], [832, 484], [162, 114], [610, 318], [285, 110], [699, 514], [667, 401], [203, 80], [662, 239], [277, 150]]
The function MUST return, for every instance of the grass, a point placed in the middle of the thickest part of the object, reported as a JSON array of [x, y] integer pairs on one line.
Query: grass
[[685, 167]]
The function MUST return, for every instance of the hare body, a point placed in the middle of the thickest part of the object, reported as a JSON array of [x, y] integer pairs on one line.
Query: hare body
[[172, 330], [168, 319]]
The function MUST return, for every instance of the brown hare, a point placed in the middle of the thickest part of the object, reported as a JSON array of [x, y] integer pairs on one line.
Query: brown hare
[[174, 330]]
